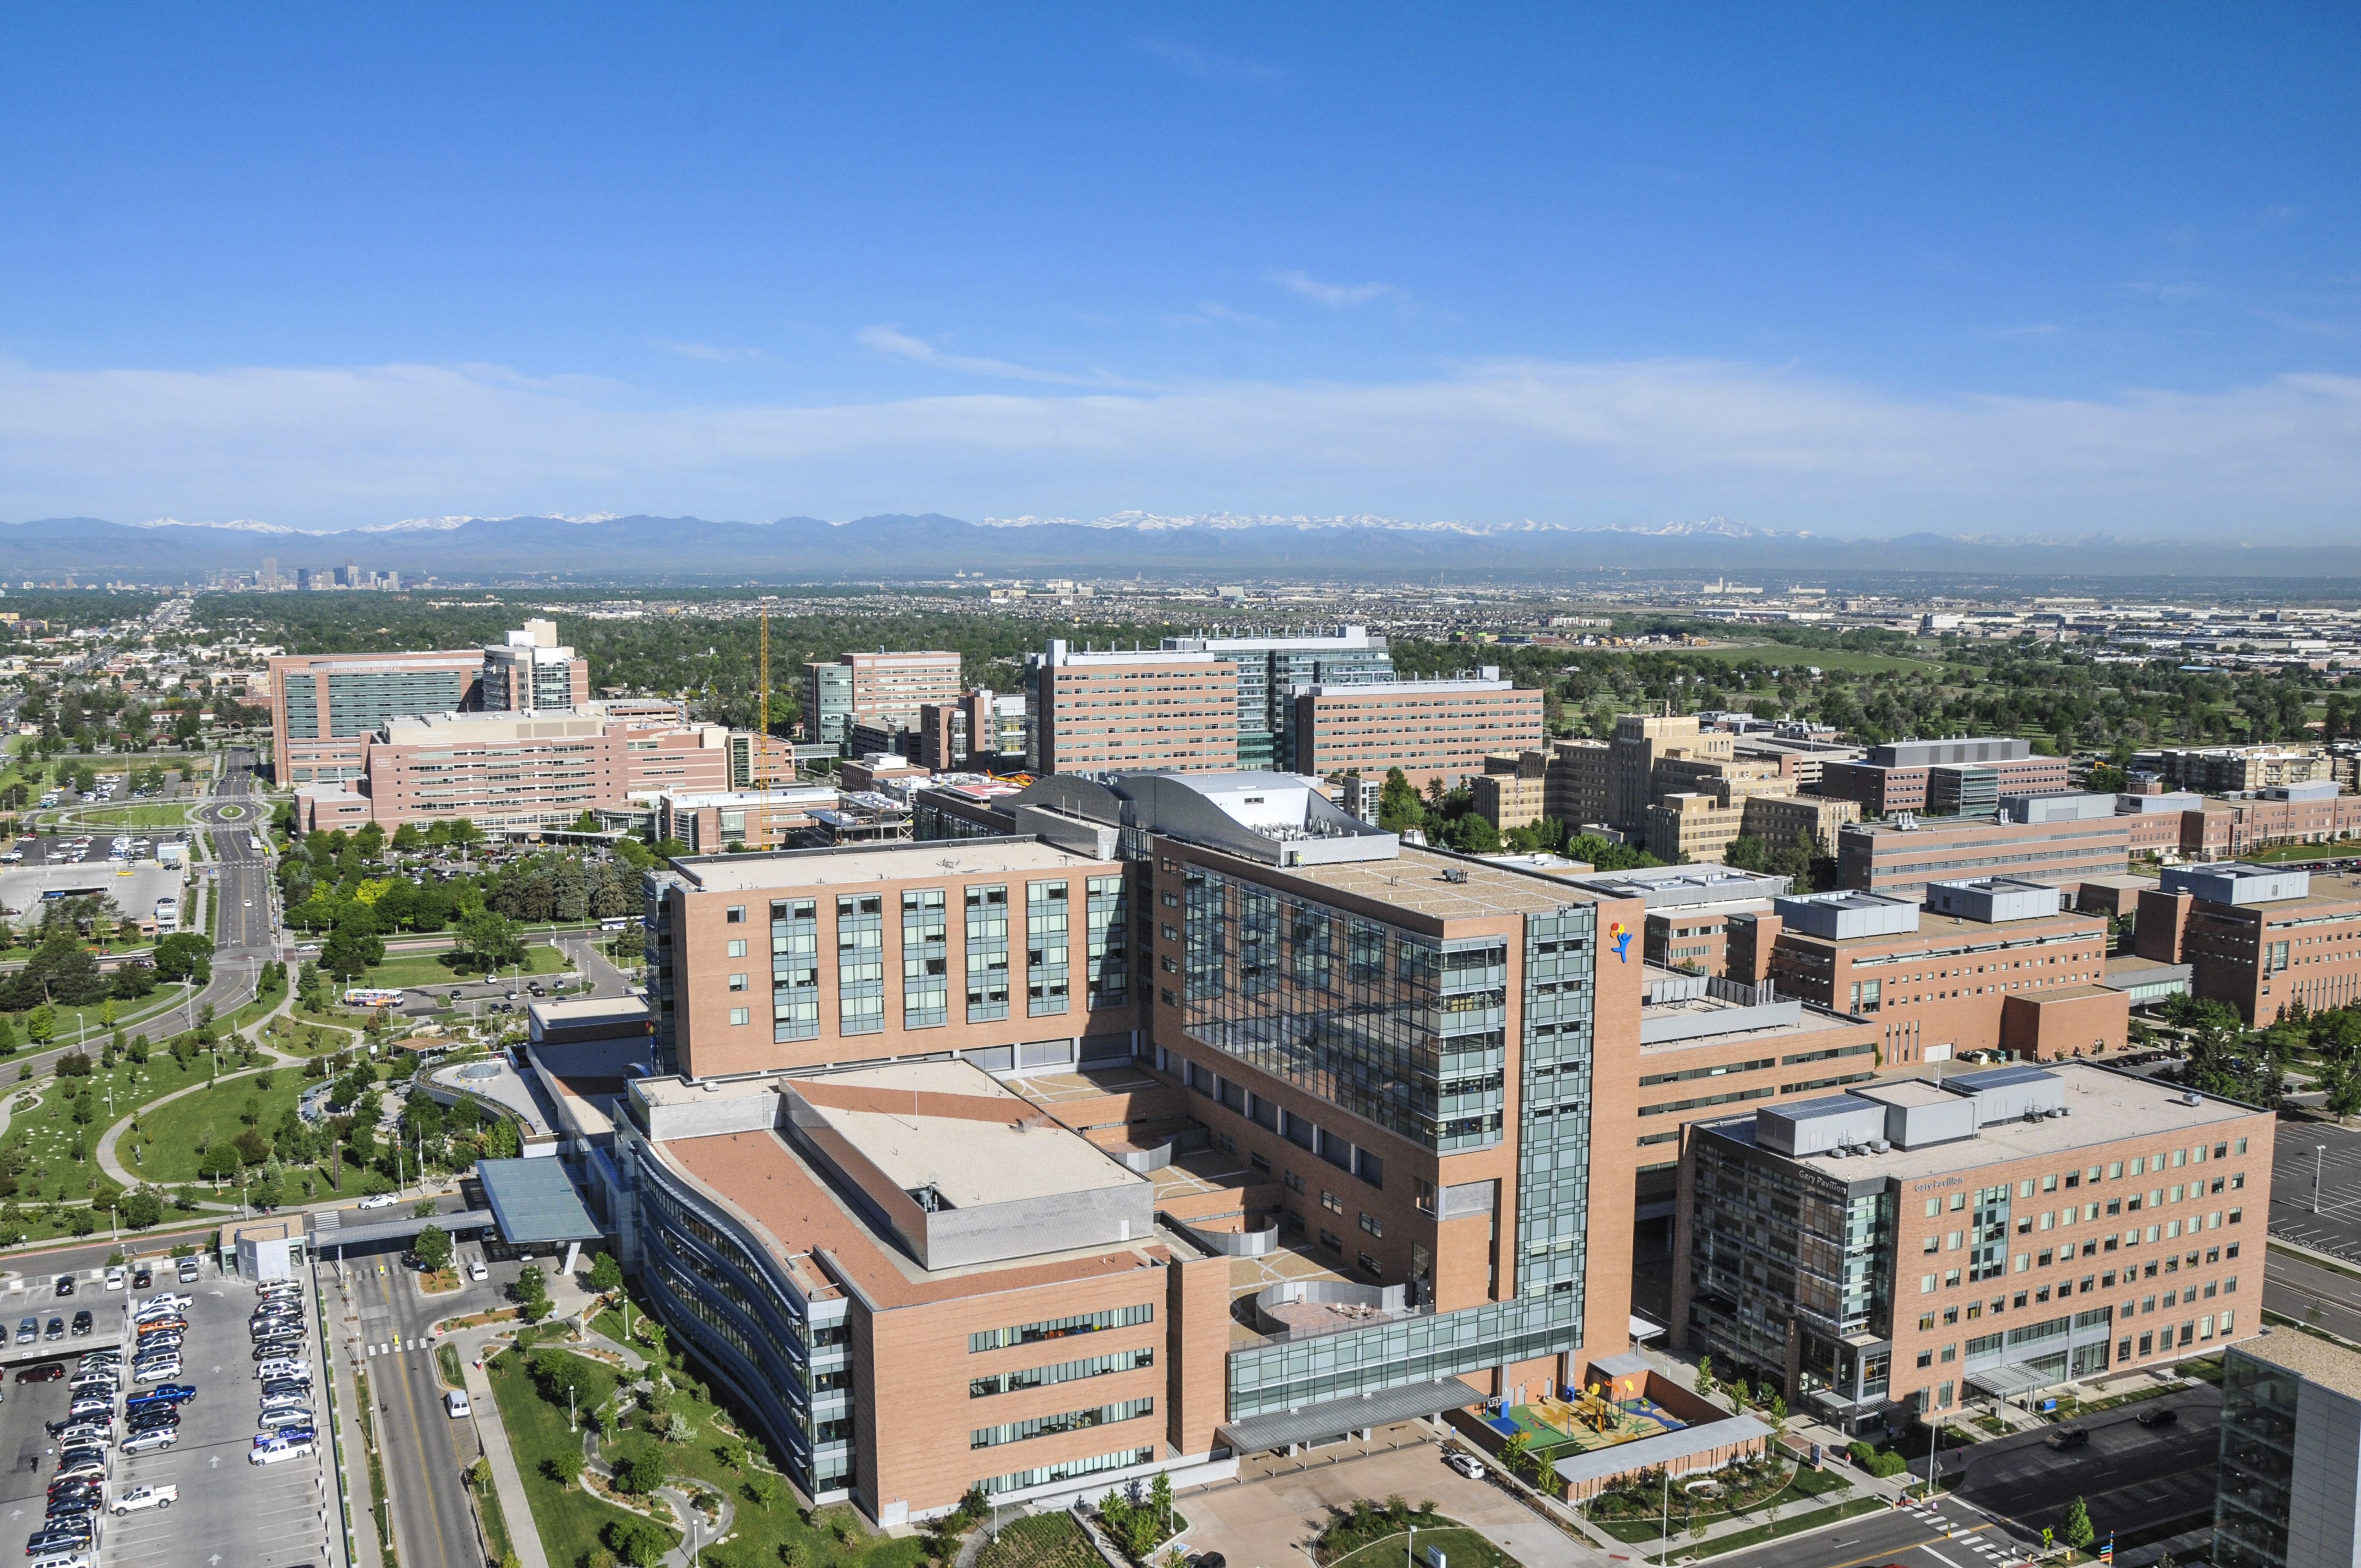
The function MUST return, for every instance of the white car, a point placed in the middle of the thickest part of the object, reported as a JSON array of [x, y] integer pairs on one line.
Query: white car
[[115, 1278], [285, 1366], [276, 1450], [150, 1441], [456, 1402], [382, 1200], [477, 1272], [171, 1301], [156, 1371], [1467, 1464], [145, 1497]]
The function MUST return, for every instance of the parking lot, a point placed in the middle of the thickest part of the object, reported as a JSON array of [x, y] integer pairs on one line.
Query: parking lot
[[2337, 1229], [228, 1511]]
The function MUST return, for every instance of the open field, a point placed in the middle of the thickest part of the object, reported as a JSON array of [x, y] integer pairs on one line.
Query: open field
[[1783, 656]]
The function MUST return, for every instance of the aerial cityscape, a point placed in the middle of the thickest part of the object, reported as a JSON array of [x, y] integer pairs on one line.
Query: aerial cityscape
[[1595, 778]]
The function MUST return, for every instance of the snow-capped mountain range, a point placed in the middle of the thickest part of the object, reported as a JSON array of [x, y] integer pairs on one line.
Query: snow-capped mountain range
[[604, 546]]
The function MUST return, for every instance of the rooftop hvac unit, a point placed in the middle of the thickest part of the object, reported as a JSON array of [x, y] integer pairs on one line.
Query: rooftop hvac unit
[[2192, 1098], [1879, 1145], [1838, 1151]]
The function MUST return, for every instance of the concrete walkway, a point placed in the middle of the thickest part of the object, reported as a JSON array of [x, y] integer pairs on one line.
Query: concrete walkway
[[524, 1533]]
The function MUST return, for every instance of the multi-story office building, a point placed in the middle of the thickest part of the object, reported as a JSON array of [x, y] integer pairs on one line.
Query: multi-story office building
[[1091, 712], [2234, 770], [1579, 789], [505, 770], [1514, 789], [1896, 1246], [995, 944], [1990, 965], [714, 822], [1708, 1045], [1689, 909], [1640, 741], [888, 688], [530, 673], [1900, 859], [2256, 938], [1430, 730], [1903, 776], [1234, 1035], [323, 707], [2288, 1493], [1271, 669]]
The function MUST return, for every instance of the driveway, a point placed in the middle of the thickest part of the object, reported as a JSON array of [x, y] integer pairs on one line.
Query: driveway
[[1270, 1523]]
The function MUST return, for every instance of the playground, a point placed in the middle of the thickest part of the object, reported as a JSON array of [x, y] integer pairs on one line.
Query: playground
[[1553, 1427]]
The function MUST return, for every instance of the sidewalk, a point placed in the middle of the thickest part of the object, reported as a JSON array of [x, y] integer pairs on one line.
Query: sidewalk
[[524, 1534]]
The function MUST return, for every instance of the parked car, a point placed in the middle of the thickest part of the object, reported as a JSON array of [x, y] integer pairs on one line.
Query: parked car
[[115, 1277], [283, 1446], [57, 1329], [81, 1321], [189, 1270], [142, 1277], [140, 1497], [280, 1420], [40, 1371], [28, 1330], [65, 1284], [456, 1404], [164, 1394], [151, 1440]]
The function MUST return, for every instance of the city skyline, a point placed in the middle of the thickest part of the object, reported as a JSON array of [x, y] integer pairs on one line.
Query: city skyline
[[1819, 272]]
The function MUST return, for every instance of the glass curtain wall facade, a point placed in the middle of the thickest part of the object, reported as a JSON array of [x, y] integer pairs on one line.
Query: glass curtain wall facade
[[1553, 1102], [795, 969], [787, 1358], [1405, 1032], [2255, 1493], [1107, 942], [1774, 1244]]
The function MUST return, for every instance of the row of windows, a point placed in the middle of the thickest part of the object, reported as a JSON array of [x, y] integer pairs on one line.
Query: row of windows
[[1059, 1328], [1064, 1421], [1063, 1372], [1048, 1474]]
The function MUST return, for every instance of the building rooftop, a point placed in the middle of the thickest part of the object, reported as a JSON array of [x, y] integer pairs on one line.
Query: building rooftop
[[2310, 1357], [1416, 882], [2102, 1107], [786, 869], [949, 1127], [1665, 887]]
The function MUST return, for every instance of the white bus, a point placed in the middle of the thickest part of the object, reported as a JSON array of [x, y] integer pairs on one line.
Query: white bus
[[371, 996], [168, 915]]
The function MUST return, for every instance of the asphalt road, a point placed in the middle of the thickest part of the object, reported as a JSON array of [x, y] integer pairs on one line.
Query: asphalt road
[[1905, 1536], [2302, 1148], [423, 1446], [2129, 1476]]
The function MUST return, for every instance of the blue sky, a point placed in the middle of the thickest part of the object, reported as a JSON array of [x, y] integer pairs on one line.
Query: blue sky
[[1853, 269]]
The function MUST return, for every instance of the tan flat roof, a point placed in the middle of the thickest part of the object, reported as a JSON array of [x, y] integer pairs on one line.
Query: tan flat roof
[[759, 1177], [881, 863], [2107, 1108], [2315, 1360], [1414, 883], [951, 1126]]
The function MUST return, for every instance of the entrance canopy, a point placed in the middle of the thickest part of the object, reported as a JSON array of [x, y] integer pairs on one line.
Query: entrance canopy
[[1383, 1406], [329, 1230], [2010, 1381], [533, 1201]]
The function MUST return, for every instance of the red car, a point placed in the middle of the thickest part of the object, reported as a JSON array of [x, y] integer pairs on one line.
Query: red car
[[44, 1372]]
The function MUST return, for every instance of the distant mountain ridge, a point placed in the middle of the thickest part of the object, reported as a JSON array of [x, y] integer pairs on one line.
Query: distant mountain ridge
[[607, 547]]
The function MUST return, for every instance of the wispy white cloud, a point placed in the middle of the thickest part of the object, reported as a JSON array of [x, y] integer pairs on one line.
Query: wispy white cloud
[[896, 344], [712, 354], [1207, 65], [1338, 296], [1213, 310], [1571, 441], [2280, 213]]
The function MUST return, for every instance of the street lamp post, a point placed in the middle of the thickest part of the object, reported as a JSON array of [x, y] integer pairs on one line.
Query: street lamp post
[[2317, 1150]]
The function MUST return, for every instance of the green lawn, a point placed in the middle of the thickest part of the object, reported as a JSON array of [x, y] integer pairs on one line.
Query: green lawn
[[50, 1137], [1781, 656], [761, 1532], [406, 970], [1040, 1540], [568, 1517], [147, 813], [170, 1139], [1803, 1485], [1458, 1547]]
